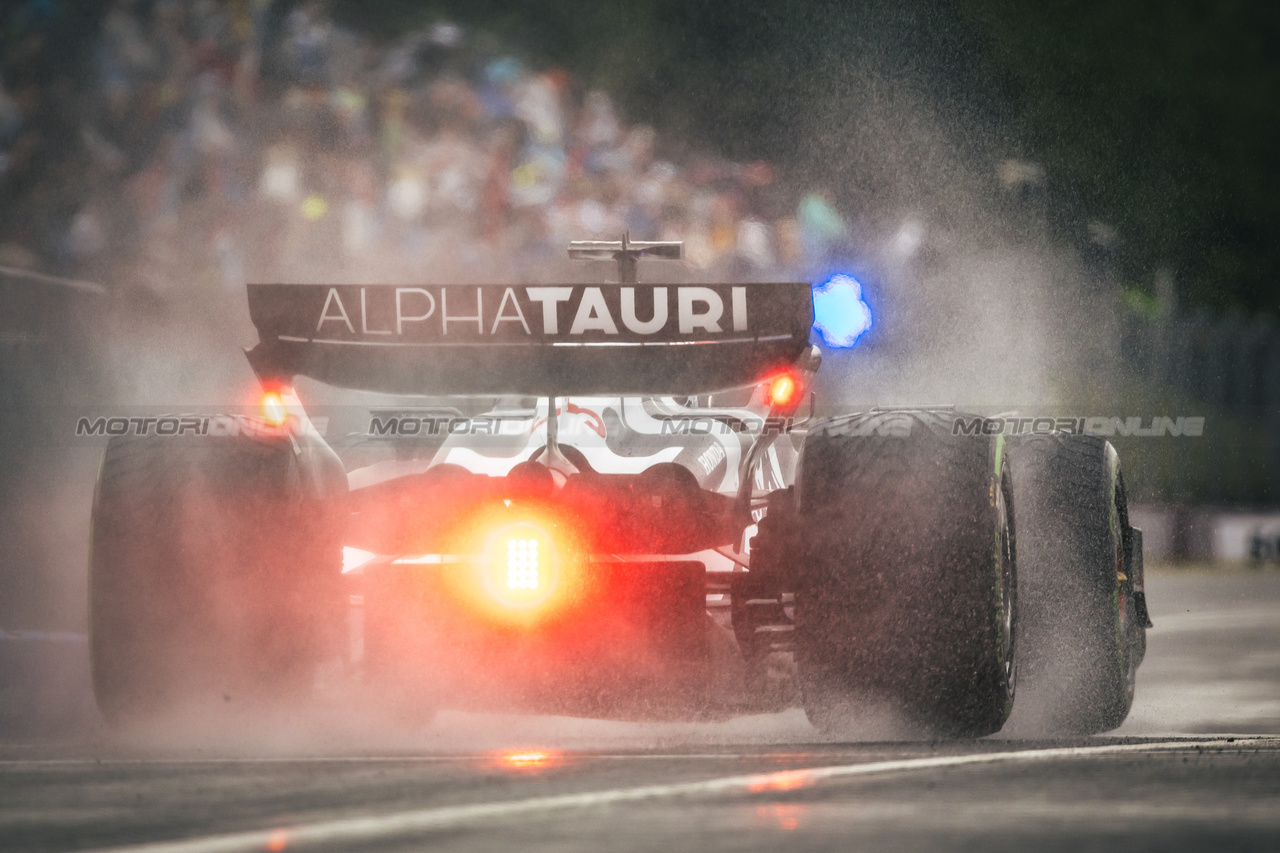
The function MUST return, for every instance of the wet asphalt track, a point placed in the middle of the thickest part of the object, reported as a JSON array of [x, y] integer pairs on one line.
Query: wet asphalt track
[[1192, 769]]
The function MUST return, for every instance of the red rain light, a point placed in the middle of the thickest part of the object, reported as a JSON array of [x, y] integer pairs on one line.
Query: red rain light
[[783, 391], [273, 409], [520, 565]]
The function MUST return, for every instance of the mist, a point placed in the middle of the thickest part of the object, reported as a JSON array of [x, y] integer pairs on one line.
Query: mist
[[974, 303]]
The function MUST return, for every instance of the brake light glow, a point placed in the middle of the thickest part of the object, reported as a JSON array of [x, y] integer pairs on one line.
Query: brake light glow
[[513, 566], [530, 758], [527, 760], [273, 409]]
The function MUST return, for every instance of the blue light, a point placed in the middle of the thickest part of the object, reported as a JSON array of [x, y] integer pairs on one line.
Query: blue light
[[839, 314]]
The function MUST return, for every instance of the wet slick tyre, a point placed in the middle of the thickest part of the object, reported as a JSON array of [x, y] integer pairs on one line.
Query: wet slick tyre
[[214, 575], [906, 613], [1081, 637]]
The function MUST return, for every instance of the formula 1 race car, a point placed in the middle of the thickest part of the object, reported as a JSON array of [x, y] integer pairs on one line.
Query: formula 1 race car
[[602, 500]]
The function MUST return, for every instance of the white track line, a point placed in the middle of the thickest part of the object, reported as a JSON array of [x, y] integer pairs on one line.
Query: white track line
[[363, 830], [460, 758], [43, 278]]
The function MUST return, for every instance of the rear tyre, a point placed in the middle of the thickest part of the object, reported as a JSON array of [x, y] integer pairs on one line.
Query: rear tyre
[[215, 573], [1082, 638], [908, 600]]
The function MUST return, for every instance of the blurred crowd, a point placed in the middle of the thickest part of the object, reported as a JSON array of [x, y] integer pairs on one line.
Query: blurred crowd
[[203, 143]]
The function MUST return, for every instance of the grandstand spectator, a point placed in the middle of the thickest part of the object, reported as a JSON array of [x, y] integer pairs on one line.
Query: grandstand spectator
[[210, 150]]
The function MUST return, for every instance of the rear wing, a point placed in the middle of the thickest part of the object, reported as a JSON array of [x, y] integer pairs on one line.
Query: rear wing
[[530, 339]]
